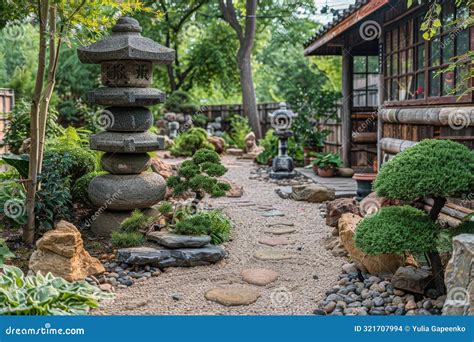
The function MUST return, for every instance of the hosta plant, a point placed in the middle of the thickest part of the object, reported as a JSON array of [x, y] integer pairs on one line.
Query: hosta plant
[[46, 295]]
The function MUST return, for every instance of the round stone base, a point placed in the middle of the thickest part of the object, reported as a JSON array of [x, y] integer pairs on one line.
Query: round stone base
[[127, 192], [125, 163]]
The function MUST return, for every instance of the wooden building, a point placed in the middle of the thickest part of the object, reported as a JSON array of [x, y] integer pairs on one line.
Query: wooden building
[[391, 94]]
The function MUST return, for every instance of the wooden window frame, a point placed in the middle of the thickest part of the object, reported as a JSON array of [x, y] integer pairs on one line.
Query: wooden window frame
[[394, 27], [366, 90]]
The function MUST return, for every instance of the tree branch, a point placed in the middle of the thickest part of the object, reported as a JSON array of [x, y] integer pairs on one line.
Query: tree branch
[[228, 11]]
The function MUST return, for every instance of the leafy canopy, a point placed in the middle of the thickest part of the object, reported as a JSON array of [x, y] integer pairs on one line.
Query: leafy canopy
[[396, 230], [431, 168]]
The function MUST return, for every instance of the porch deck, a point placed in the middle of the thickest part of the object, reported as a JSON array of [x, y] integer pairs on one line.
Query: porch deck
[[345, 187]]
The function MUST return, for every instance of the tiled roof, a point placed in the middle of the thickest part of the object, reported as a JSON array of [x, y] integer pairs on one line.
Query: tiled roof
[[337, 19]]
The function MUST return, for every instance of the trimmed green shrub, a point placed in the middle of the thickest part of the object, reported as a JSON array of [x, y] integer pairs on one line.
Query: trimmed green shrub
[[137, 221], [188, 142], [124, 239], [213, 223], [198, 175], [431, 168], [5, 252], [445, 240], [46, 295], [79, 190], [396, 230], [180, 102]]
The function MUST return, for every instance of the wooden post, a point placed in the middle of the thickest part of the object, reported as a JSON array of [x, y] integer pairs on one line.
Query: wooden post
[[346, 106]]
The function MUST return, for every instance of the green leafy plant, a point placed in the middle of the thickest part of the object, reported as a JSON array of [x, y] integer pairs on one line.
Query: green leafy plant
[[125, 239], [136, 222], [165, 208], [270, 144], [239, 128], [213, 223], [5, 252], [327, 160], [396, 230], [188, 142], [46, 295], [199, 175], [307, 132], [80, 188]]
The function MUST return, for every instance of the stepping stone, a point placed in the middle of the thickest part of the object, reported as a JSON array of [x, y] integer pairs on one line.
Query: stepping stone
[[280, 231], [232, 296], [174, 241], [272, 254], [290, 224], [259, 276], [273, 213], [275, 241]]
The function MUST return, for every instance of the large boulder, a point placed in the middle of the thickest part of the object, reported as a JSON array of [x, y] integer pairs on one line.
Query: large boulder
[[314, 193], [459, 277], [61, 252], [340, 206], [236, 190], [372, 263], [218, 142], [412, 279], [174, 241]]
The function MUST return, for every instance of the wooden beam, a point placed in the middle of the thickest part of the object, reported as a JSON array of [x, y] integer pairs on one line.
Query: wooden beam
[[346, 106]]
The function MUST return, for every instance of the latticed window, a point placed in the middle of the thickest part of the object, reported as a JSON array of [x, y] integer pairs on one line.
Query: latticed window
[[365, 81]]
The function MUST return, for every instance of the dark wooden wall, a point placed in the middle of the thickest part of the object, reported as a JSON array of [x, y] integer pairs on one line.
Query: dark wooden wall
[[7, 100]]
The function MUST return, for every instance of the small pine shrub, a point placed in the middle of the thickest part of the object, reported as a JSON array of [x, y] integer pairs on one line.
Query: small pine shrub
[[239, 128], [213, 223], [187, 143], [137, 221], [198, 175], [396, 230], [431, 168], [165, 208], [124, 239]]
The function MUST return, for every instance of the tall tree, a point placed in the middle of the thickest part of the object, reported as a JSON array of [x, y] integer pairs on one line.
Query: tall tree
[[246, 35]]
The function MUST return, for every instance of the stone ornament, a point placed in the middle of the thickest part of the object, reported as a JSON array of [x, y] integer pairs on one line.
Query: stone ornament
[[126, 60]]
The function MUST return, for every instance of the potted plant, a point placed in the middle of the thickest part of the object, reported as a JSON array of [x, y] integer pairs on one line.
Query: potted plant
[[326, 163], [310, 136]]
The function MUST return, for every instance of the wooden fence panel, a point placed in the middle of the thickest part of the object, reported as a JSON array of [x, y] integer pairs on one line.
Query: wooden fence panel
[[7, 100]]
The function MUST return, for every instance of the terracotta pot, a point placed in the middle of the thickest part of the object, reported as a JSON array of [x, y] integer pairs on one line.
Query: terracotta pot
[[329, 172], [315, 169]]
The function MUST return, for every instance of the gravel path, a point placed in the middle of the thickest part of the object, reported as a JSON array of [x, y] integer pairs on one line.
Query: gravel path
[[303, 279]]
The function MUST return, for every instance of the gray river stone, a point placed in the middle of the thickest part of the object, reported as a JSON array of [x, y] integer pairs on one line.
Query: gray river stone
[[119, 142], [185, 257], [129, 119], [174, 241], [125, 163], [126, 192]]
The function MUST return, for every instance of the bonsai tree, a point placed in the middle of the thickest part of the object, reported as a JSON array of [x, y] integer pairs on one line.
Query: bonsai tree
[[435, 169], [199, 175]]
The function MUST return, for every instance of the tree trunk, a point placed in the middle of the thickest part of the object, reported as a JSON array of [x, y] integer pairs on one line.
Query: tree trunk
[[29, 230], [434, 257], [249, 99]]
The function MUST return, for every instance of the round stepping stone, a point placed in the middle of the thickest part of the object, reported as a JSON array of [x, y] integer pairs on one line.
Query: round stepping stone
[[272, 254], [273, 213], [274, 241], [232, 296], [259, 276], [280, 231]]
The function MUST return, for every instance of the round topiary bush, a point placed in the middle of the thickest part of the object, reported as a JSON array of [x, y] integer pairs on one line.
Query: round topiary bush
[[396, 230], [431, 168], [187, 143]]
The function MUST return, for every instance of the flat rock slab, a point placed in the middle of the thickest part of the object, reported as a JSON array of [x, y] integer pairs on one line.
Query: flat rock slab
[[185, 257], [272, 254], [259, 276], [273, 213], [232, 296], [174, 241], [280, 231], [274, 241]]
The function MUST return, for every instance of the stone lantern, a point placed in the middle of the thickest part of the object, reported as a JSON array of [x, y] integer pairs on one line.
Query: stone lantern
[[173, 128], [281, 121], [126, 60]]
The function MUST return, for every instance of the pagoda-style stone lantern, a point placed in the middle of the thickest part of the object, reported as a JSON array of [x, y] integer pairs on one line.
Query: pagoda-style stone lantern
[[126, 59], [281, 120]]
